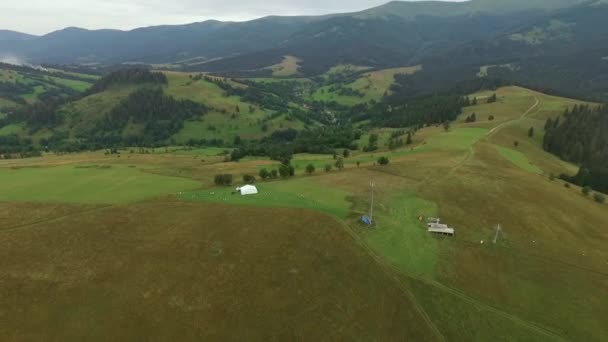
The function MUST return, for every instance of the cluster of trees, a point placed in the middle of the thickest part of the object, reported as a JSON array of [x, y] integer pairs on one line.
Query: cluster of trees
[[161, 115], [254, 92], [13, 146], [421, 111], [282, 144], [396, 141], [471, 118], [582, 138], [285, 170], [131, 75]]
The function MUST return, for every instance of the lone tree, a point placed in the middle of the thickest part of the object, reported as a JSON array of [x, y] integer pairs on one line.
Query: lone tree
[[286, 170], [492, 98], [491, 118], [264, 174], [474, 102], [328, 168], [223, 179], [310, 169], [516, 143], [346, 153], [531, 132], [340, 163], [409, 140], [248, 179], [383, 161], [274, 174]]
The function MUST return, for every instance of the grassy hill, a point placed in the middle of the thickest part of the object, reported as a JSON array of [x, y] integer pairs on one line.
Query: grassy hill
[[25, 85], [366, 87], [303, 267]]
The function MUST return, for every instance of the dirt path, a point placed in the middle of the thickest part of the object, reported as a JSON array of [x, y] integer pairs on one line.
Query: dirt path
[[471, 152]]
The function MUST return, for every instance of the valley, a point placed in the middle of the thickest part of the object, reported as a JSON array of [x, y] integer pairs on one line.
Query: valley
[[415, 171], [440, 288]]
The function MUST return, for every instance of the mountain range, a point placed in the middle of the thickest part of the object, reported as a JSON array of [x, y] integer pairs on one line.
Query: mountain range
[[529, 36]]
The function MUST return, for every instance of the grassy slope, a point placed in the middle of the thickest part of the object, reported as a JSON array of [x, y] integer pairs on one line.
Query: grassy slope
[[288, 67], [86, 184], [373, 85], [217, 124], [83, 114], [44, 83], [547, 257]]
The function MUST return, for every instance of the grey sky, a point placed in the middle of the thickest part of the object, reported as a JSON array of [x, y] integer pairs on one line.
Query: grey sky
[[43, 16]]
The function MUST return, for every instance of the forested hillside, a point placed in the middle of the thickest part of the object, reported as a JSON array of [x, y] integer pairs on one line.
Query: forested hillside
[[582, 138]]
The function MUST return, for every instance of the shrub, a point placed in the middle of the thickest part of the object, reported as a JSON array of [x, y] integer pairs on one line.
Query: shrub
[[383, 161], [340, 163], [491, 118], [223, 179], [248, 179], [586, 190], [264, 174], [328, 168], [567, 185], [310, 169], [599, 198], [274, 174]]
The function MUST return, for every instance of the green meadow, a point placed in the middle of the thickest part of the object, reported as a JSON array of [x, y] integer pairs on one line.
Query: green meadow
[[176, 249], [86, 184]]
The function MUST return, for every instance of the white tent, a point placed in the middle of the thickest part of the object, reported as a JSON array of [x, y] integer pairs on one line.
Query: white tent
[[248, 190]]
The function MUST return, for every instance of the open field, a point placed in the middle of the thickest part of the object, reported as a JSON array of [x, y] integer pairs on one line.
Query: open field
[[288, 67], [165, 254], [187, 271], [372, 85], [86, 184]]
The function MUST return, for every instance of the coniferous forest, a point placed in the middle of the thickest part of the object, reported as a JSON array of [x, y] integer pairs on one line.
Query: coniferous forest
[[581, 138]]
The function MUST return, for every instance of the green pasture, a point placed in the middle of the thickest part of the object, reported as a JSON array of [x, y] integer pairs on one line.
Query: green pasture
[[400, 237], [86, 184], [519, 159], [296, 193]]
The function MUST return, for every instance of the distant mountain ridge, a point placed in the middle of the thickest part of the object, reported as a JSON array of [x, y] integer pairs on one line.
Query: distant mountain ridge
[[15, 36], [211, 40]]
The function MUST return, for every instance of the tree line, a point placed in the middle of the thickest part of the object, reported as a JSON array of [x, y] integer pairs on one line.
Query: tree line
[[581, 137]]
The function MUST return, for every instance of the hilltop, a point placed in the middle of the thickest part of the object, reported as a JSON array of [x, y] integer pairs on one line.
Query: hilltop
[[472, 175]]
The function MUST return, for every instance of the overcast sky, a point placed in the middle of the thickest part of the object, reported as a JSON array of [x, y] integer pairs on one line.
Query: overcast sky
[[43, 16]]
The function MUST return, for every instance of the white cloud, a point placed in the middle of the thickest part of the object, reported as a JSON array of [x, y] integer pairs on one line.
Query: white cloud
[[43, 16]]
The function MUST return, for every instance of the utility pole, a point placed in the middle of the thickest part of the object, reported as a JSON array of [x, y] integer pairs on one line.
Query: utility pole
[[498, 230], [371, 207]]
